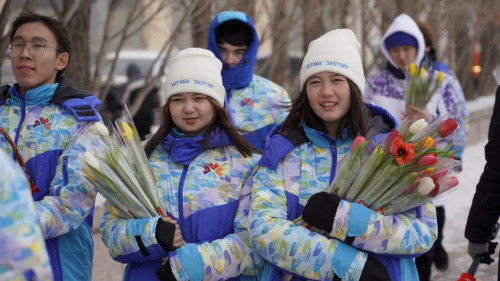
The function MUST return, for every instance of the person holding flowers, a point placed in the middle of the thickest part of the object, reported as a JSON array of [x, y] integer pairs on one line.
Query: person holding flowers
[[404, 47], [200, 162], [438, 254], [49, 124], [300, 162]]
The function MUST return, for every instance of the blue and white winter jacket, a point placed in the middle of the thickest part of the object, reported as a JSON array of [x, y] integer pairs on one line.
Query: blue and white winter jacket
[[203, 191], [23, 256], [301, 162], [254, 103], [52, 125]]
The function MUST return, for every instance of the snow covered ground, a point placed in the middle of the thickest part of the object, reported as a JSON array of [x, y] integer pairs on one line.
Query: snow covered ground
[[457, 210]]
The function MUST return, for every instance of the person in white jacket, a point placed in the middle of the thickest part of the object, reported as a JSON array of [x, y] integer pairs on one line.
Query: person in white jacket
[[403, 43]]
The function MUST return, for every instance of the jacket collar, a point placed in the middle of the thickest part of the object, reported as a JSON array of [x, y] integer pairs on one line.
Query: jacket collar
[[184, 149]]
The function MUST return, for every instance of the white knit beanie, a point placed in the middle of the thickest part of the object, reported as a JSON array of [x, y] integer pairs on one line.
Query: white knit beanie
[[336, 51], [195, 70]]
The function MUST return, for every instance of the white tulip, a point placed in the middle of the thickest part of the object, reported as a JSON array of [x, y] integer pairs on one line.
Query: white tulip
[[102, 130], [91, 160], [424, 75], [417, 126], [425, 186]]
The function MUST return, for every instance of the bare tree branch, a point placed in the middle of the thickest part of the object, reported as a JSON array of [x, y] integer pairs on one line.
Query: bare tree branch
[[4, 40], [121, 42], [29, 5], [68, 13], [151, 83], [56, 9], [101, 56], [200, 21]]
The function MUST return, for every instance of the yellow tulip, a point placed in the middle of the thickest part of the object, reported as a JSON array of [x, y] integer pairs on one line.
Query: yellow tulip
[[412, 69], [127, 131], [440, 77], [421, 73], [88, 174]]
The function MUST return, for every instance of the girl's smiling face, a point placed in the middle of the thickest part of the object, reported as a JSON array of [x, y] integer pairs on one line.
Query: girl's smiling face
[[192, 113], [330, 98]]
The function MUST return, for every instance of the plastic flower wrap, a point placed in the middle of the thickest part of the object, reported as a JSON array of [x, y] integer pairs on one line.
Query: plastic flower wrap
[[120, 171], [399, 172], [421, 85]]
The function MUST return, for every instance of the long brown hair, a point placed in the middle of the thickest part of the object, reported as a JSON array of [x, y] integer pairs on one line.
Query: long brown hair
[[221, 121], [354, 120]]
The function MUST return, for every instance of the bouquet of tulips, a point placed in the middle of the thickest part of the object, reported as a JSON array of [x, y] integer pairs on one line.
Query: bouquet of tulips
[[399, 172], [421, 85], [120, 171]]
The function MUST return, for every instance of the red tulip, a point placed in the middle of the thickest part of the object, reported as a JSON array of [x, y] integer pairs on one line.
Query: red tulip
[[447, 127], [403, 152]]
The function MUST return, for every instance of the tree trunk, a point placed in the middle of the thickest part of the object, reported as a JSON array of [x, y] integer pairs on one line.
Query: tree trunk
[[312, 22], [245, 6], [490, 42], [79, 68], [462, 44], [200, 21], [279, 65], [4, 40]]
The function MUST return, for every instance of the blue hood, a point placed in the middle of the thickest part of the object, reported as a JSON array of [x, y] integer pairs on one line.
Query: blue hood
[[240, 75]]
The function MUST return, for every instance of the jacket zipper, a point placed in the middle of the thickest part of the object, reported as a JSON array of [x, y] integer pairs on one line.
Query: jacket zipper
[[19, 126], [333, 169], [180, 197]]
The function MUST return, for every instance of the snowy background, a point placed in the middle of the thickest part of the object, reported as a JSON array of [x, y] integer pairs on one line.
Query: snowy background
[[457, 210]]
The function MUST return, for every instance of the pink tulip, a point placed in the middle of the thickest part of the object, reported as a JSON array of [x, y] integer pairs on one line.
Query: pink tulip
[[357, 141], [428, 160], [448, 183]]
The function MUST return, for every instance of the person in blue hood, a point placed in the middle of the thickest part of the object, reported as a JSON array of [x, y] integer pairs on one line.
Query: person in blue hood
[[300, 162], [200, 162], [255, 104], [51, 123]]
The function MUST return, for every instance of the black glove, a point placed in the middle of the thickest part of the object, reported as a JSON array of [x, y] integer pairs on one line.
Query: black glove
[[164, 234], [484, 250], [165, 273], [374, 271], [320, 210]]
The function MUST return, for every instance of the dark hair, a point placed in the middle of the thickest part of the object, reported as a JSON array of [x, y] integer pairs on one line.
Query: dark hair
[[58, 29], [221, 121], [426, 32], [234, 32], [354, 120], [428, 38]]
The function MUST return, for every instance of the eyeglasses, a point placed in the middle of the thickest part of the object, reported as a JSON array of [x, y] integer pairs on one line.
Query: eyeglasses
[[35, 48]]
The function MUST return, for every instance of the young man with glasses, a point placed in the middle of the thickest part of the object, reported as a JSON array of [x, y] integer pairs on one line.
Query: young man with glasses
[[254, 103], [51, 123]]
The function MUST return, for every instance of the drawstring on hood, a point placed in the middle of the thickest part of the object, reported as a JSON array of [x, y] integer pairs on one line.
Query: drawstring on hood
[[240, 75]]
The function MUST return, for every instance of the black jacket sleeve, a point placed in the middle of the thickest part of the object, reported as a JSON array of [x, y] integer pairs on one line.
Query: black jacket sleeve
[[485, 208]]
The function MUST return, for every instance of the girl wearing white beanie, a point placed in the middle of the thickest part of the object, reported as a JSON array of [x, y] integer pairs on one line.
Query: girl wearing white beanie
[[299, 163], [200, 162]]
